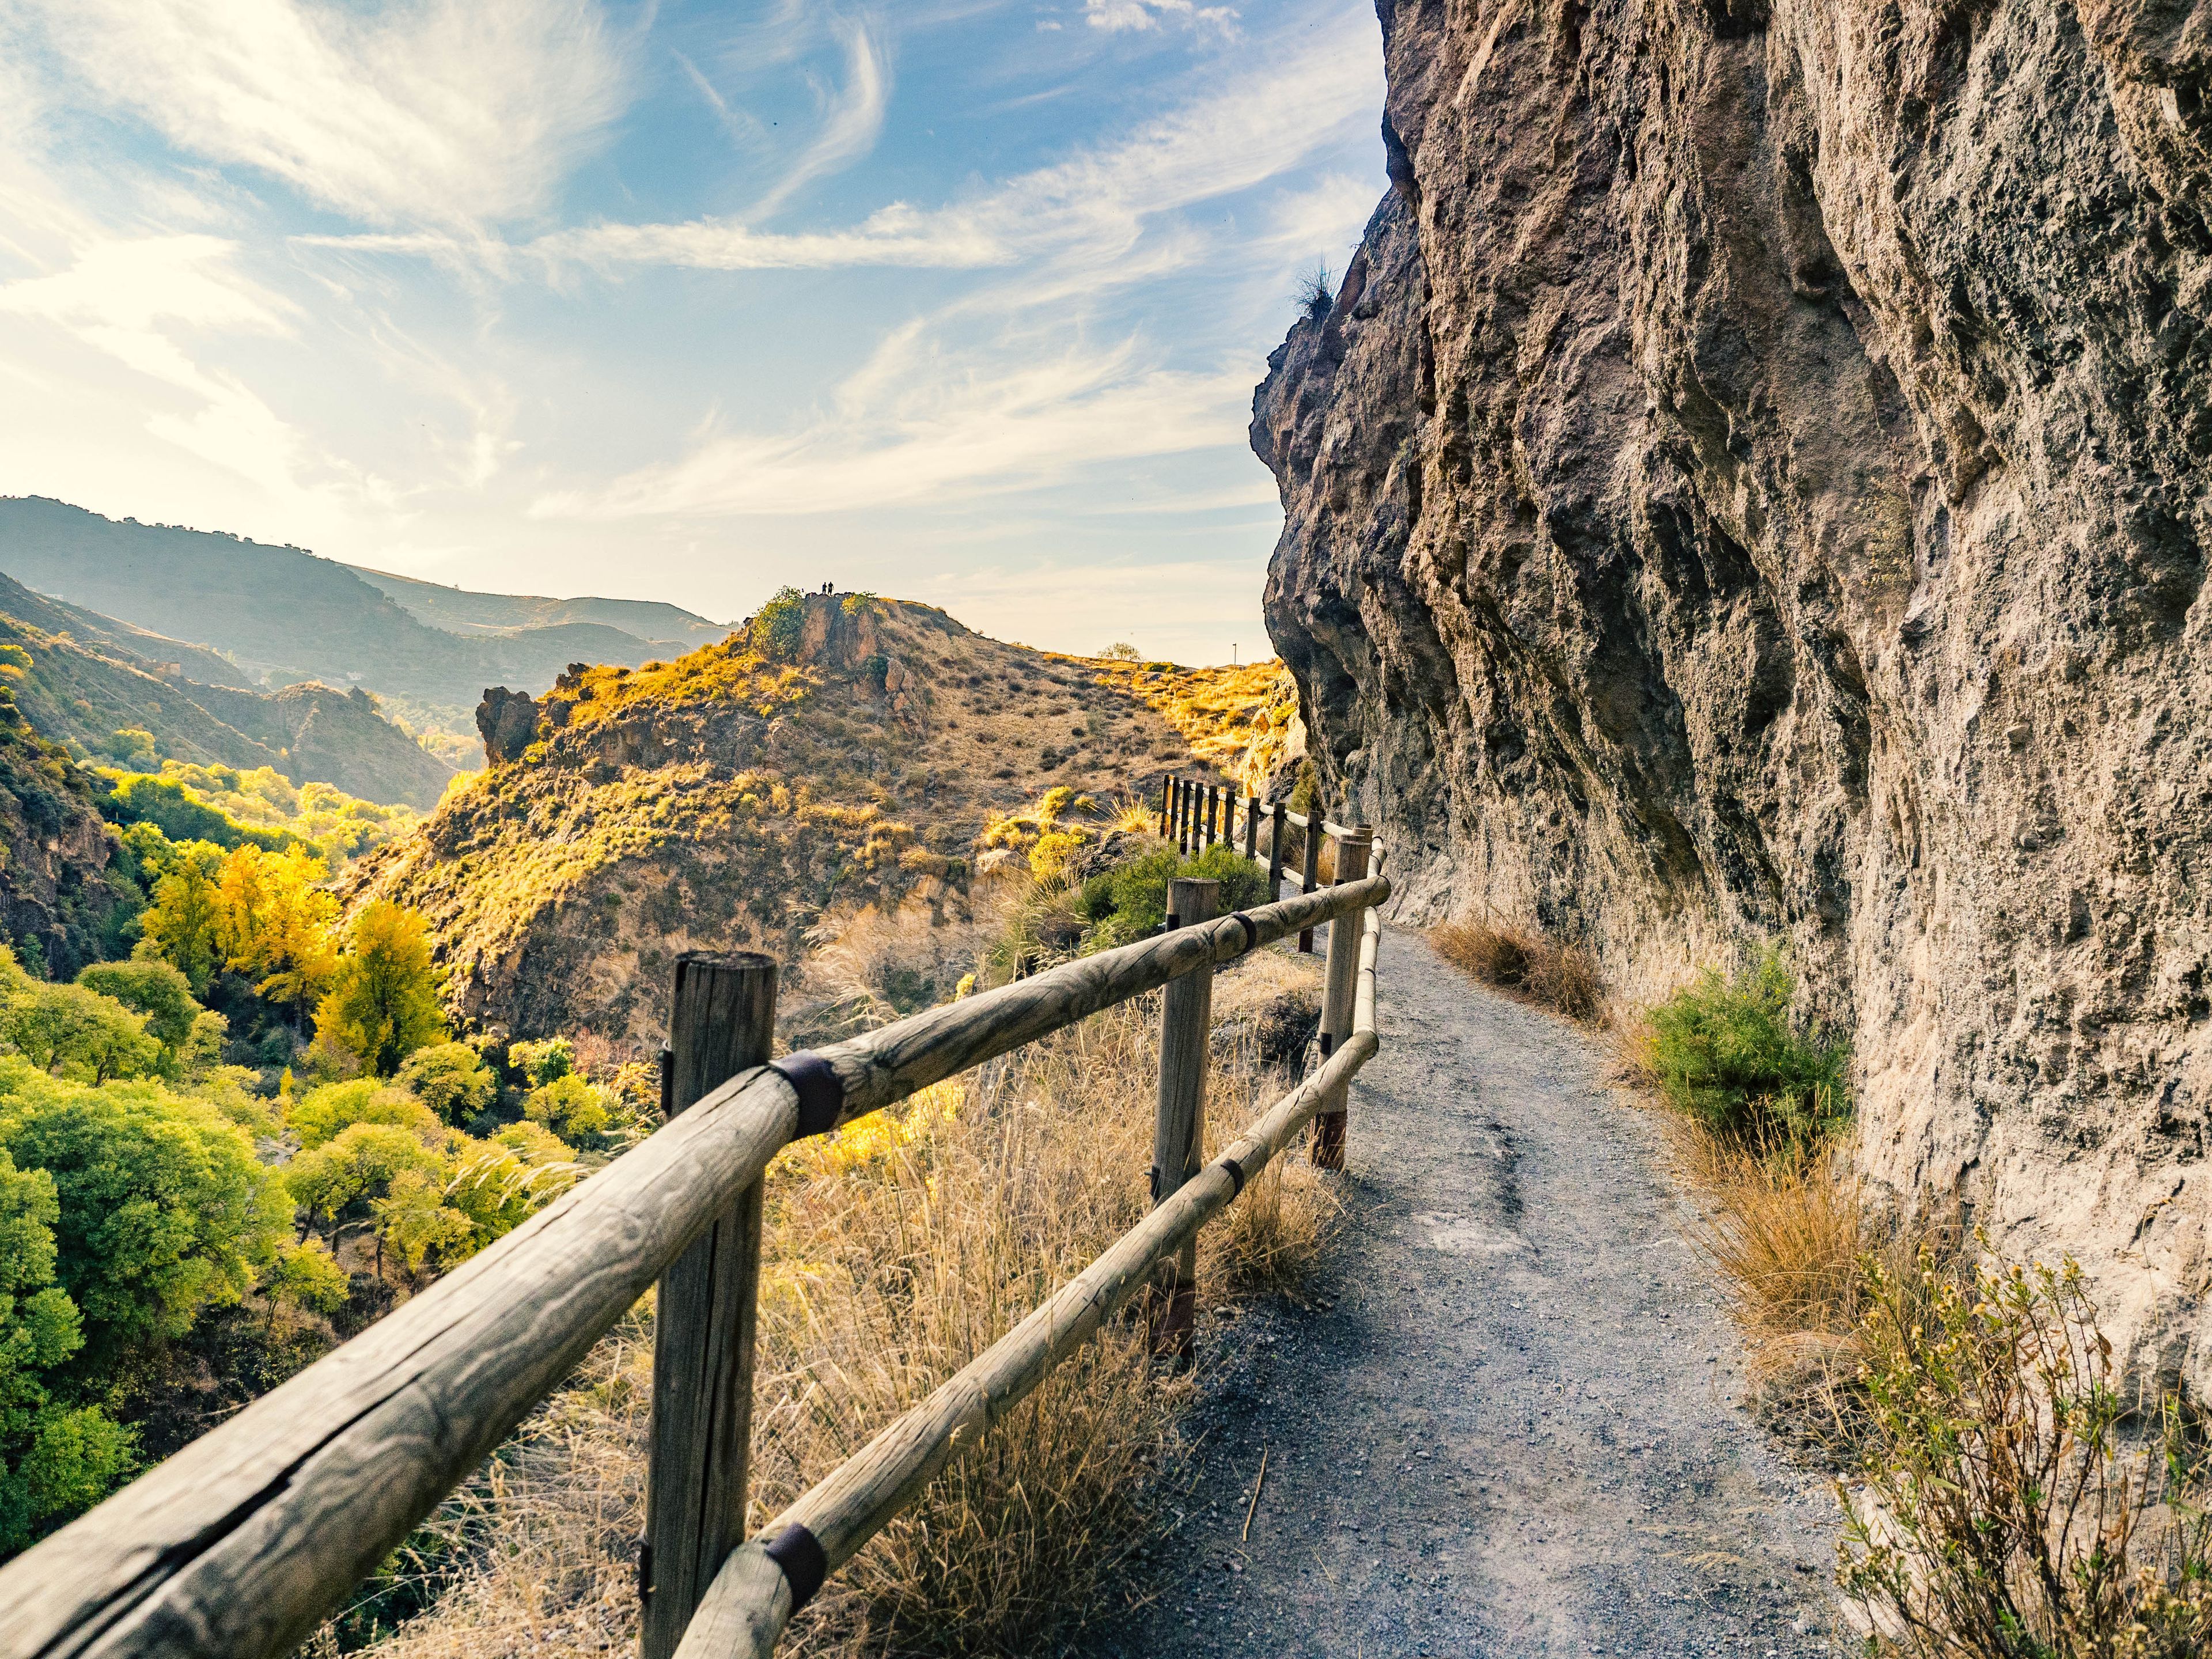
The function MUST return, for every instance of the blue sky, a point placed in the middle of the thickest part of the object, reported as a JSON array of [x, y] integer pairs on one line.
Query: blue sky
[[957, 299]]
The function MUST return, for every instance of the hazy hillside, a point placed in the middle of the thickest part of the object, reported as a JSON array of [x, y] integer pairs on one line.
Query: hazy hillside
[[460, 611], [281, 612], [732, 797], [78, 684]]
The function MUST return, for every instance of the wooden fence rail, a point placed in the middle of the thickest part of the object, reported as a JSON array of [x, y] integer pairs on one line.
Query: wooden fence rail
[[239, 1545]]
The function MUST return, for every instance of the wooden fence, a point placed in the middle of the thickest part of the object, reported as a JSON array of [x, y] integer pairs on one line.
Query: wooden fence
[[240, 1544]]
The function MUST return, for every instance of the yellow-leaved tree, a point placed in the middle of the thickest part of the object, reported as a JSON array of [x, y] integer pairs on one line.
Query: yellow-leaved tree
[[277, 926], [382, 1004]]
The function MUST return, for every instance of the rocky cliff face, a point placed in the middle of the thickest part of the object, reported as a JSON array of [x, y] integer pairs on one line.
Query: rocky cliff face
[[1754, 482]]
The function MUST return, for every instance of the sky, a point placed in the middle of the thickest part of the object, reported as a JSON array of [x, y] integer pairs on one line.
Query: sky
[[959, 301]]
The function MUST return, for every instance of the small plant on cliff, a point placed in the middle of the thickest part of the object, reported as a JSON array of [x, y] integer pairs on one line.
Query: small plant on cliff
[[2003, 1517], [1725, 1050], [1317, 290]]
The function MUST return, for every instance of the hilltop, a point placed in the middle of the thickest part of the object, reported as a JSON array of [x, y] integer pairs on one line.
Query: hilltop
[[459, 610], [123, 695], [281, 614], [845, 752]]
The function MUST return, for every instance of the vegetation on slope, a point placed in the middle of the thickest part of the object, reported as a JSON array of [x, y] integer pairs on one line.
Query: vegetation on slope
[[104, 703], [1242, 721], [839, 753]]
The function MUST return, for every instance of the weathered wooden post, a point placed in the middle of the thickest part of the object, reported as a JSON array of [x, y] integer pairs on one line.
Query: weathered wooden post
[[1312, 869], [1341, 985], [1182, 816], [1212, 814], [1276, 826], [1179, 1127], [1167, 788], [721, 1024], [1252, 828]]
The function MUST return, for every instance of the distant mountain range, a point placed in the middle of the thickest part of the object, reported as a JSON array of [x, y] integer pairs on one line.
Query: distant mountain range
[[92, 680], [281, 614]]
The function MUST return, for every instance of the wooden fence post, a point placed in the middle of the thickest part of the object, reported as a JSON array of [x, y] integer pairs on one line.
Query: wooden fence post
[[1312, 869], [1167, 785], [1342, 984], [1251, 825], [722, 1022], [1276, 826], [1213, 813], [1182, 816], [1179, 1127]]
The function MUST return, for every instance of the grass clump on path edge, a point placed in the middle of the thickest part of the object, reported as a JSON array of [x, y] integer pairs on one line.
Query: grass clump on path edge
[[1526, 962], [896, 1251]]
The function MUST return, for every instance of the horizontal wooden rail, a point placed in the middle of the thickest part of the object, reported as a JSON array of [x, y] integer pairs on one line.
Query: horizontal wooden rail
[[750, 1601], [240, 1544]]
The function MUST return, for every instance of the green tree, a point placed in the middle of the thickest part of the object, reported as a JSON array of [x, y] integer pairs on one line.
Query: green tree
[[68, 1028], [164, 1210], [451, 1079], [321, 1115], [571, 1108], [182, 926], [545, 1061], [55, 1460], [306, 1275], [150, 987], [383, 1001], [361, 1163]]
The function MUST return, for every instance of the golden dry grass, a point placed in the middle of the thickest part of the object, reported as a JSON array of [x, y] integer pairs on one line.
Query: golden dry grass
[[1526, 961], [1792, 1230], [897, 1250]]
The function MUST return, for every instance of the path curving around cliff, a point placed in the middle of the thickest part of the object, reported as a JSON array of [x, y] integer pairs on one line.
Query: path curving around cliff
[[1504, 1427]]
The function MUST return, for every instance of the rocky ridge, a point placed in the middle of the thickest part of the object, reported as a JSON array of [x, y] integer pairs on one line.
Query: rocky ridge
[[1752, 482], [734, 799]]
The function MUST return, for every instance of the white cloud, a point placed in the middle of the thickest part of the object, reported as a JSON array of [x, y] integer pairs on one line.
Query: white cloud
[[438, 112], [1116, 17]]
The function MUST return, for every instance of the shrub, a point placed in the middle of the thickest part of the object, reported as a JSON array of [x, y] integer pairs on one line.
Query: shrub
[[2003, 1517], [779, 624], [1724, 1050], [70, 1029], [1130, 900]]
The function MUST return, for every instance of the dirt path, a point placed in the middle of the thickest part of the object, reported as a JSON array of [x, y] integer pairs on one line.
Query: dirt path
[[1505, 1427]]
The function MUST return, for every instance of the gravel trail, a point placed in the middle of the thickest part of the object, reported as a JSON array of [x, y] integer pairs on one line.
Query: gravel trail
[[1505, 1425]]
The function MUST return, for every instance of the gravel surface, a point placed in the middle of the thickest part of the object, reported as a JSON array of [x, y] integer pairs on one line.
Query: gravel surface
[[1506, 1422]]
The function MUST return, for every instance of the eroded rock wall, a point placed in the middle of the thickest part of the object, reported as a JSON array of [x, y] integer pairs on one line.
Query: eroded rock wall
[[1754, 483]]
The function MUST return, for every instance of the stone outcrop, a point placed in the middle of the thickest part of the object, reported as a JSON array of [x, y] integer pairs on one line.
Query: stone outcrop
[[1753, 483], [507, 722]]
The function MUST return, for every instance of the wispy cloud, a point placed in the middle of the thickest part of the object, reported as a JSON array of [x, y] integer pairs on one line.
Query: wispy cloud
[[440, 112], [854, 118], [917, 424]]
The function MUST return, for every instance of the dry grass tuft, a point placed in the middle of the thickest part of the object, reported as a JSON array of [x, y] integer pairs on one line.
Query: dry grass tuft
[[897, 1250], [1524, 960], [1793, 1232]]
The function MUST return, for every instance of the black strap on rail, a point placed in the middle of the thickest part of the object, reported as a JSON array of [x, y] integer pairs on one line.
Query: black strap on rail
[[1251, 928], [1236, 1178], [799, 1553], [821, 1091]]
